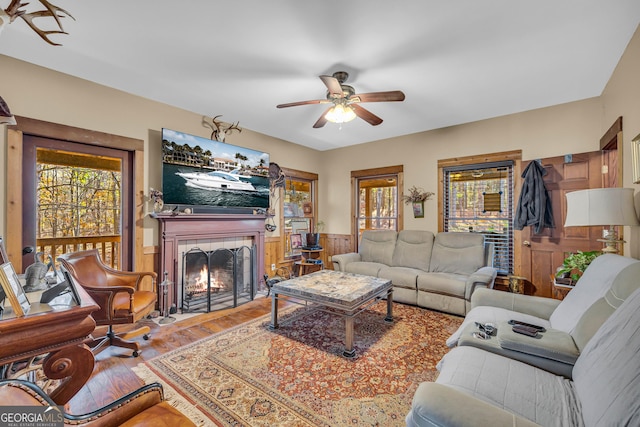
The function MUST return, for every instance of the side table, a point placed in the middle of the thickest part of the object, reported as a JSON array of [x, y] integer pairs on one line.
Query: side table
[[310, 261]]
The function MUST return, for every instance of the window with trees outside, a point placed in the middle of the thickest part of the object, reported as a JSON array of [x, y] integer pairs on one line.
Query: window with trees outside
[[377, 199], [79, 199], [478, 198]]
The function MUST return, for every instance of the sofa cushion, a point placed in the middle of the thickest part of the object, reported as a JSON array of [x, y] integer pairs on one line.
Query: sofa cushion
[[413, 249], [401, 277], [366, 268], [532, 393], [593, 284], [378, 246], [457, 253], [443, 283], [607, 373]]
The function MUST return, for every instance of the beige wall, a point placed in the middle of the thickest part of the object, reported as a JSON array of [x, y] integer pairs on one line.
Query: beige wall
[[46, 95], [568, 128]]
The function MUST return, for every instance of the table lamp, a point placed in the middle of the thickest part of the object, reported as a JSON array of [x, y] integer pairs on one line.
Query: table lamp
[[608, 207]]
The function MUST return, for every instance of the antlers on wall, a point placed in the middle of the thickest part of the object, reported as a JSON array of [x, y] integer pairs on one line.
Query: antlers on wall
[[219, 131], [14, 11]]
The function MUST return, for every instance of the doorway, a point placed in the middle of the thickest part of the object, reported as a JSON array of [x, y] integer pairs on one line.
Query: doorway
[[78, 197]]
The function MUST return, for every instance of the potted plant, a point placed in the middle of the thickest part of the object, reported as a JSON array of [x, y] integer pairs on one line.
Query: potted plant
[[417, 196], [313, 239], [574, 265]]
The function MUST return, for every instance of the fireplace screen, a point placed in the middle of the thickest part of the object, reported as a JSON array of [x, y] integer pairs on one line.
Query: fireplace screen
[[218, 279]]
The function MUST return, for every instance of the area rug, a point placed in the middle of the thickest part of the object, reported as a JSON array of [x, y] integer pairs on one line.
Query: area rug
[[296, 375]]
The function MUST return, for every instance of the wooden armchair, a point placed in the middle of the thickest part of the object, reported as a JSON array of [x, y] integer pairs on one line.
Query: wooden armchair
[[143, 407], [123, 296]]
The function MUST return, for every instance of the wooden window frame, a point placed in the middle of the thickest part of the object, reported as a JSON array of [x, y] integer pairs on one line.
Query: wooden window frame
[[45, 129]]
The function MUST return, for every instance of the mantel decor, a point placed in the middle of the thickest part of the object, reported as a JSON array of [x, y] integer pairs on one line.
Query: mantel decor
[[417, 196]]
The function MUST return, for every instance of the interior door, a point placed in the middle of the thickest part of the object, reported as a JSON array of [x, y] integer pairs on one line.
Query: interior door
[[543, 253]]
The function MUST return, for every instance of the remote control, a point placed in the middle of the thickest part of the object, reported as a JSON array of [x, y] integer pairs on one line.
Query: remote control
[[525, 330], [536, 327]]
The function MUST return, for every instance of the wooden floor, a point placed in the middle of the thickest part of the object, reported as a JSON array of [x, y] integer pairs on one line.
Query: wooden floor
[[112, 376]]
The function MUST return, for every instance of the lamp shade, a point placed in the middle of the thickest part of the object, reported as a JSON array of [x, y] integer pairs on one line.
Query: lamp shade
[[601, 206]]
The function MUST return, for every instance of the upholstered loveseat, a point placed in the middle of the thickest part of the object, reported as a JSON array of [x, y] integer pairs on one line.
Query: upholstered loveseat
[[439, 272]]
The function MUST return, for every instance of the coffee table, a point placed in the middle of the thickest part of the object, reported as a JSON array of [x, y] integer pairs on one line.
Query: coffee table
[[341, 293]]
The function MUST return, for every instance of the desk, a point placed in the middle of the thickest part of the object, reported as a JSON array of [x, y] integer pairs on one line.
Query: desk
[[58, 333]]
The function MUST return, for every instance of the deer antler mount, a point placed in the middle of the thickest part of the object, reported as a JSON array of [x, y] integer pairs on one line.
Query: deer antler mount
[[15, 10], [220, 129]]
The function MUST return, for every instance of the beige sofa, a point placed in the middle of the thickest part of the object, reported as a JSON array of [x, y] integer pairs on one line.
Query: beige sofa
[[439, 272], [479, 387]]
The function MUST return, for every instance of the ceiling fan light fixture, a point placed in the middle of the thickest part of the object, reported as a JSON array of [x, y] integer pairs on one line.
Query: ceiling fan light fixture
[[340, 114]]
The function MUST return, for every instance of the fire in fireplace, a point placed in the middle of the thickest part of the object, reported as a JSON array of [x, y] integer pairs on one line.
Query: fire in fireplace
[[217, 279]]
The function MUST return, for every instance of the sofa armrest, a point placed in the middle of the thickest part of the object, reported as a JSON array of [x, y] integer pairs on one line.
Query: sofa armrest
[[553, 351], [536, 306], [552, 344], [440, 405], [483, 278], [340, 261]]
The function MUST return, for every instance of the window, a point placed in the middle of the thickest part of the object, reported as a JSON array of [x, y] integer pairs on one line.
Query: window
[[78, 197], [479, 198], [298, 210], [377, 206]]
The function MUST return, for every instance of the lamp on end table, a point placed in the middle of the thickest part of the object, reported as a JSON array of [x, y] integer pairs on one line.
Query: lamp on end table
[[608, 207]]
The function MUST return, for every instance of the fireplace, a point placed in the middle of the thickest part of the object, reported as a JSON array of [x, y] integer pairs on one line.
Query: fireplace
[[213, 280], [215, 261]]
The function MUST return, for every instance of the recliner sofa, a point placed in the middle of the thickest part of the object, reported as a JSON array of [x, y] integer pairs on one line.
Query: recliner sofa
[[439, 272], [478, 387]]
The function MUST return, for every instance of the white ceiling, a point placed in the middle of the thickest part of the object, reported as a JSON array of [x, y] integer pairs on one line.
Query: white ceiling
[[457, 61]]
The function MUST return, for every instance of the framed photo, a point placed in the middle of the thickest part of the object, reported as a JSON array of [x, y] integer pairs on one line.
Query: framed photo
[[74, 287], [13, 289], [3, 253], [418, 209], [296, 241]]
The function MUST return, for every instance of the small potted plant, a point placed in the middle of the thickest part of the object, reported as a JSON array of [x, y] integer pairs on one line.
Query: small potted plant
[[574, 266], [417, 196]]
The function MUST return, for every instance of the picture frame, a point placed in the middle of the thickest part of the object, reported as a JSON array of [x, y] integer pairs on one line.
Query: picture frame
[[13, 289], [3, 252], [296, 241], [635, 159], [418, 209]]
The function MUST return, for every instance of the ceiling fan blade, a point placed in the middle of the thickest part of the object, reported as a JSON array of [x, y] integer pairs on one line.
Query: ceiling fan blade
[[366, 115], [293, 104], [335, 89], [394, 95], [322, 120]]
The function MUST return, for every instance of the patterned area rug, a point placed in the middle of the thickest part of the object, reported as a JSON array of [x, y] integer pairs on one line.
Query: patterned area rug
[[297, 376]]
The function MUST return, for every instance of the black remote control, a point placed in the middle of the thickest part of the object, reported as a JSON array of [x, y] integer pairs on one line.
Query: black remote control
[[517, 322], [525, 330]]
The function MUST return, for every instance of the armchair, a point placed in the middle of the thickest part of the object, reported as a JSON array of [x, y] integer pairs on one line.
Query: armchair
[[145, 406], [124, 297]]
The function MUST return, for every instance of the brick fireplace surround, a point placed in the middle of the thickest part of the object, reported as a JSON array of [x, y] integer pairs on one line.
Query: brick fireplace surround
[[179, 231]]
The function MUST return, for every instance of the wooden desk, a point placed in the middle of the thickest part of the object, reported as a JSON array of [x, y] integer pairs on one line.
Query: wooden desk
[[51, 337]]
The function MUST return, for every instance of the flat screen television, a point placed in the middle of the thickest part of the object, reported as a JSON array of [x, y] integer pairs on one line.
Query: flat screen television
[[200, 172]]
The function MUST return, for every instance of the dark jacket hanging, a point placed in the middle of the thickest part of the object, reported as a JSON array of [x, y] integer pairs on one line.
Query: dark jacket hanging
[[534, 206]]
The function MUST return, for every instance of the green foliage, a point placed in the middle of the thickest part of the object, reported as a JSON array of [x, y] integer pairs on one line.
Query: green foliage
[[576, 263]]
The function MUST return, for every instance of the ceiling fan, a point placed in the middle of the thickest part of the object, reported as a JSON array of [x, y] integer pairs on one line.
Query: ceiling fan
[[346, 101]]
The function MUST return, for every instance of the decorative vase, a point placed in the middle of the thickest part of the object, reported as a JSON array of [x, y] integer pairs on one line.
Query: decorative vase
[[313, 239], [158, 205]]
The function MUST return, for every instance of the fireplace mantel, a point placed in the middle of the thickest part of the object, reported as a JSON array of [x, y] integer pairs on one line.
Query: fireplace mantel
[[176, 228]]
